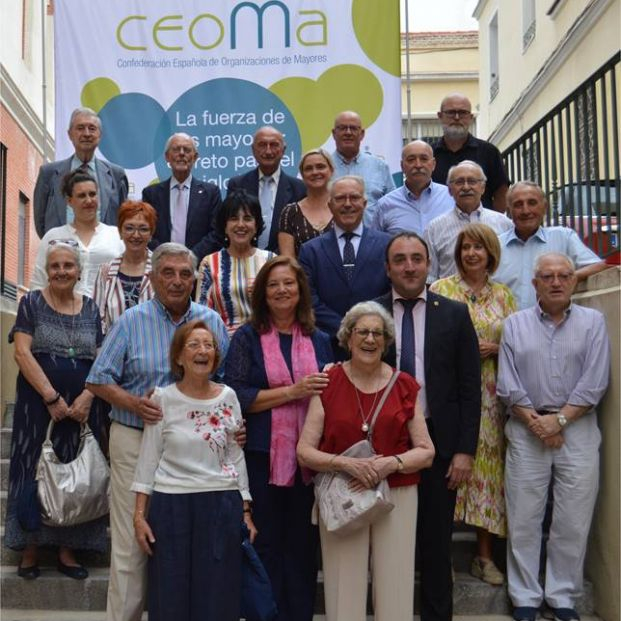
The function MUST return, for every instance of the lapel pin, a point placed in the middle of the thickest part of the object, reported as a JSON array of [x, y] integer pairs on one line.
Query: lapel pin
[[436, 303]]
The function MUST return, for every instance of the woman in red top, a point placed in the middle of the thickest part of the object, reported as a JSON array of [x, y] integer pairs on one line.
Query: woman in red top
[[336, 420]]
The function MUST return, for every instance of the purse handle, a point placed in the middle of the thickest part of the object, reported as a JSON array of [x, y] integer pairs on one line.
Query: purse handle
[[380, 405], [84, 430]]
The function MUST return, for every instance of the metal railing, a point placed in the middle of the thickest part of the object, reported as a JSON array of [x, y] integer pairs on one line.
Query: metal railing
[[573, 154]]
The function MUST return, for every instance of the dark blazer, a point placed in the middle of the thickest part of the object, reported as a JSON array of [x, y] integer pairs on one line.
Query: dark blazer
[[452, 373], [289, 189], [332, 294], [50, 206], [205, 200]]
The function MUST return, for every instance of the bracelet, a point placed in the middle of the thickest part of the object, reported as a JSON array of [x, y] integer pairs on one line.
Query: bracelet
[[53, 400], [331, 461]]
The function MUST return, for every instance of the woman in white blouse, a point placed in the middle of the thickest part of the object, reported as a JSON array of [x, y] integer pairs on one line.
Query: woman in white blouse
[[194, 472], [97, 242]]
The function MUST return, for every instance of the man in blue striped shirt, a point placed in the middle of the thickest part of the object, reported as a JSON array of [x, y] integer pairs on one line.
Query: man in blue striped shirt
[[554, 364], [132, 362]]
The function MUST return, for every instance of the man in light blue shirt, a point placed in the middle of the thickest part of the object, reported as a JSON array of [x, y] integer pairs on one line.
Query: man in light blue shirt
[[350, 160], [528, 238], [133, 360], [419, 200]]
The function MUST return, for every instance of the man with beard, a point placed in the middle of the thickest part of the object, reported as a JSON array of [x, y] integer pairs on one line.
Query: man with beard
[[458, 144]]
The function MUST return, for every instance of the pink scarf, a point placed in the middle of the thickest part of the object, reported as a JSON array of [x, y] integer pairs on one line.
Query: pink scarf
[[287, 419]]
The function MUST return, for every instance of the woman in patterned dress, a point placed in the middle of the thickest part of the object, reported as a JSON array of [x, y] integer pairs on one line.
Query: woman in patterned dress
[[480, 501], [226, 278], [311, 216]]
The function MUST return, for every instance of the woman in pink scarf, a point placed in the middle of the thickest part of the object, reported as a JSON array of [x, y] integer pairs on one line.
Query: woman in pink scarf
[[274, 365]]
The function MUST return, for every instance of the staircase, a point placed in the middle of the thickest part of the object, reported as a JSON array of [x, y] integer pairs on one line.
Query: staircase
[[54, 597]]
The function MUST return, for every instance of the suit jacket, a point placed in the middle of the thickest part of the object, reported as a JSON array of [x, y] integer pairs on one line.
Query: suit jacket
[[203, 205], [333, 295], [50, 206], [452, 373], [289, 189]]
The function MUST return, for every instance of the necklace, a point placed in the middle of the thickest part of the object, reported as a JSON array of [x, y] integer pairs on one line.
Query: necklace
[[70, 348], [365, 418]]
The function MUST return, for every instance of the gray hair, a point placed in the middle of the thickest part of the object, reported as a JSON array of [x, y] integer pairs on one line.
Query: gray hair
[[85, 112], [62, 245], [525, 184], [179, 135], [357, 178], [469, 163], [553, 255], [172, 249], [359, 310]]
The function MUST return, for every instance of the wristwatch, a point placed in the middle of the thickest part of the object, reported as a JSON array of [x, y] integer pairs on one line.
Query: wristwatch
[[562, 420], [399, 463]]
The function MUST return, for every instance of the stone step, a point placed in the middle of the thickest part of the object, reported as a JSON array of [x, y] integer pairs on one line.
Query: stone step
[[52, 591], [4, 474], [5, 443]]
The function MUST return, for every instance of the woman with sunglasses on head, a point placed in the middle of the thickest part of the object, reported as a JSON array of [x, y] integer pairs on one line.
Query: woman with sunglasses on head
[[97, 242], [124, 281]]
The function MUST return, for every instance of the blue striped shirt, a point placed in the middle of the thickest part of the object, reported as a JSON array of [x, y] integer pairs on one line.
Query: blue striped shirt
[[135, 353], [543, 365]]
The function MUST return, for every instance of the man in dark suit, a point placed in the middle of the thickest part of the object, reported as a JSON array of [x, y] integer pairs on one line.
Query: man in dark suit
[[436, 342], [345, 265], [269, 183], [50, 206], [186, 207]]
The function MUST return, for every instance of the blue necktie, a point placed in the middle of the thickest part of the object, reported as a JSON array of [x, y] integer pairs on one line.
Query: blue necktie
[[349, 256], [408, 343]]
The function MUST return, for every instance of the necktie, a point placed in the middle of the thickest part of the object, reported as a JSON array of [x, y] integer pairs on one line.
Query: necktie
[[179, 217], [265, 198], [349, 257], [408, 343]]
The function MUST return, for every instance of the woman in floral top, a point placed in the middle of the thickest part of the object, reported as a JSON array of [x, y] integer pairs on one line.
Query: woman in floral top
[[481, 501], [195, 474]]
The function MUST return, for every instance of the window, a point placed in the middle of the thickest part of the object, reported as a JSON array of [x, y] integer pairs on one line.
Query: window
[[494, 77], [529, 23]]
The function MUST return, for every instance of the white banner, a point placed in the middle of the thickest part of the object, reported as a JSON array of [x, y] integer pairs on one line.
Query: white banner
[[219, 70]]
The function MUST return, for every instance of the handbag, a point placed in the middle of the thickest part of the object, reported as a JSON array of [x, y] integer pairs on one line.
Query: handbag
[[257, 598], [75, 492], [342, 510]]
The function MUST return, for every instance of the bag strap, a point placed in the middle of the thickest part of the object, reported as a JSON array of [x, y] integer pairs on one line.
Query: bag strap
[[84, 430], [380, 405]]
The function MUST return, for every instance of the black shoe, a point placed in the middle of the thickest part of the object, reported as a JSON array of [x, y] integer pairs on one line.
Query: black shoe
[[29, 573], [77, 572], [565, 614], [525, 613]]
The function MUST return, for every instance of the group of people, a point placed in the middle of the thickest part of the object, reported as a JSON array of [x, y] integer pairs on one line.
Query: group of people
[[225, 351]]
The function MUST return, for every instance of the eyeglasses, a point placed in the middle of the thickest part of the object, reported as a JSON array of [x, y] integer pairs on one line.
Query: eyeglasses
[[459, 114], [341, 199], [263, 146], [353, 129], [463, 181], [141, 230], [363, 333], [67, 242], [548, 279], [181, 149], [197, 345]]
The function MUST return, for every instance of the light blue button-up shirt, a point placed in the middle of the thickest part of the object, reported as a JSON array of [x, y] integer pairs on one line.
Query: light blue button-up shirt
[[517, 258], [401, 211]]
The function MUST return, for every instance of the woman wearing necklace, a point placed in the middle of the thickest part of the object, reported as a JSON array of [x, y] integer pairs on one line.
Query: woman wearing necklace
[[311, 216], [336, 420], [124, 282], [480, 500], [56, 334], [226, 278], [98, 243], [274, 365]]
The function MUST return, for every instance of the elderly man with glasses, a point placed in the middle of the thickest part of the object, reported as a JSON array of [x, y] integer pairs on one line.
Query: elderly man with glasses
[[466, 183], [458, 144]]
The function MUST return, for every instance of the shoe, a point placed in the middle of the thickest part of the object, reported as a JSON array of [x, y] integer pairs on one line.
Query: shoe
[[525, 613], [77, 572], [29, 573], [565, 614], [486, 570]]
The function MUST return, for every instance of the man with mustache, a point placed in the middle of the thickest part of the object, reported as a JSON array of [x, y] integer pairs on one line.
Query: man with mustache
[[50, 206], [466, 184], [458, 144], [419, 200]]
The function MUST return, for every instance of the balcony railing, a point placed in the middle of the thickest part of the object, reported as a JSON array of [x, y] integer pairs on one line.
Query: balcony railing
[[573, 154]]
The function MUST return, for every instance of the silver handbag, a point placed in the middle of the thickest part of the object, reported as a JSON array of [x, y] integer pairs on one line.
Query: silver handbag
[[76, 492], [342, 510]]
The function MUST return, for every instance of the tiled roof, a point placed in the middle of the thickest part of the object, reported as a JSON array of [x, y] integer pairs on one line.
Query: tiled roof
[[457, 38]]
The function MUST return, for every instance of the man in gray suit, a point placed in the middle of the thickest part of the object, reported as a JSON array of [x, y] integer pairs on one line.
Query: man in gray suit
[[50, 206]]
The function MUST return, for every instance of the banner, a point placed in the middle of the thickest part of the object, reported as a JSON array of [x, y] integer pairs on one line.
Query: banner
[[218, 70]]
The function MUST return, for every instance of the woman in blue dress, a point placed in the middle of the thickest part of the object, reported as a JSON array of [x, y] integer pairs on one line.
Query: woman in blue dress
[[56, 336]]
